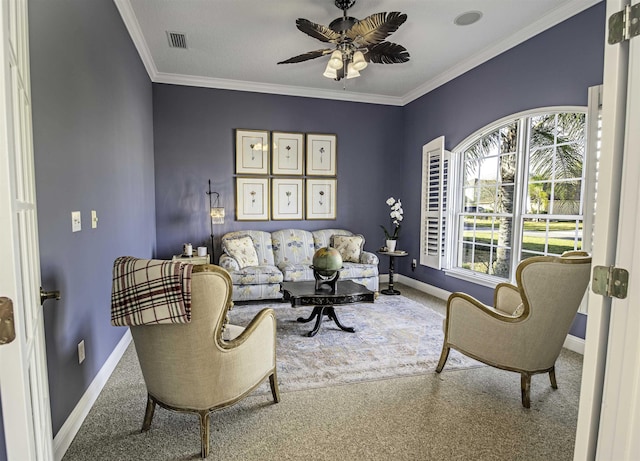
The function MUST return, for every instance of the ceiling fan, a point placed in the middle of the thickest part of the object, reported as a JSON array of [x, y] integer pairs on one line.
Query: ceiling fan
[[357, 42]]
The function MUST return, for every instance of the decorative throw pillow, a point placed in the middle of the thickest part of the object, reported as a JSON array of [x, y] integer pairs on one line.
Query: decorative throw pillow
[[349, 246], [242, 250]]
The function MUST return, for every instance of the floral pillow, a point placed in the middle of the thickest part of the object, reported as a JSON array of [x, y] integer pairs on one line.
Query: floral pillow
[[349, 246], [242, 250]]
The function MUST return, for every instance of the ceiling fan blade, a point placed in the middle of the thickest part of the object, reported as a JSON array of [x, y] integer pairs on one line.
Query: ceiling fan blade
[[322, 33], [375, 28], [387, 53], [306, 56]]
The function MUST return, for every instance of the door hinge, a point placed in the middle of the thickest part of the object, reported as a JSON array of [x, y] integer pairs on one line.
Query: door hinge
[[610, 281], [624, 24]]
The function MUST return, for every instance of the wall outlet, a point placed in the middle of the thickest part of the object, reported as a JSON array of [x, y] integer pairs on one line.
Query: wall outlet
[[414, 263], [81, 355], [76, 223]]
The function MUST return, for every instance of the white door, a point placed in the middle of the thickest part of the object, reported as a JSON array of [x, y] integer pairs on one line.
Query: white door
[[23, 371], [609, 416], [620, 415]]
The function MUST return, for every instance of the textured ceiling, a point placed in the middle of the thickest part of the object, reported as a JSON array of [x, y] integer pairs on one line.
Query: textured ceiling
[[236, 43]]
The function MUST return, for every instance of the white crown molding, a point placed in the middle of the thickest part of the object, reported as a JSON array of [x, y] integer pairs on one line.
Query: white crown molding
[[133, 26], [554, 17], [239, 85]]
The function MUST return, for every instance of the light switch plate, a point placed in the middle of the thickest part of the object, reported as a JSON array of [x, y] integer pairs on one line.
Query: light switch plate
[[76, 225], [94, 219]]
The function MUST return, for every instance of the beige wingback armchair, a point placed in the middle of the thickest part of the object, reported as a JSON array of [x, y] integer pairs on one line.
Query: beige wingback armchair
[[525, 330], [190, 368]]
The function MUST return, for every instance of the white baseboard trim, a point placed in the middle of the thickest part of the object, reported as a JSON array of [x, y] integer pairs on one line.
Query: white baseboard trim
[[573, 343], [71, 426]]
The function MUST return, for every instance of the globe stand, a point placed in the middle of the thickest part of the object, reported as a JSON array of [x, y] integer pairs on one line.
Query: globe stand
[[322, 280]]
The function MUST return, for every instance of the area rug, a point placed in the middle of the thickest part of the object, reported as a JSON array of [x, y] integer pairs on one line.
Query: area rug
[[394, 337]]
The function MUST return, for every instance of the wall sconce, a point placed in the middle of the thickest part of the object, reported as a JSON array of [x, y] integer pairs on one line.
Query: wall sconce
[[216, 213]]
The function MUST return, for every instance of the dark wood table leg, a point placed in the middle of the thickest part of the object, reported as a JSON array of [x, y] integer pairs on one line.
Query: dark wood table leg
[[318, 314], [331, 312], [390, 290]]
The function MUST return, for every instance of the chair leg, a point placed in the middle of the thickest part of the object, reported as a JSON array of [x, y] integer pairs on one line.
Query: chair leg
[[443, 358], [525, 386], [552, 377], [275, 390], [204, 433], [148, 414]]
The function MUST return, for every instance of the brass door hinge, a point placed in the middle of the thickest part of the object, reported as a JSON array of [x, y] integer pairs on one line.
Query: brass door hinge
[[624, 24], [610, 281], [7, 326]]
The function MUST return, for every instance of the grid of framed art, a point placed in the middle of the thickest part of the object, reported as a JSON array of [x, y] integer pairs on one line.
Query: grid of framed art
[[285, 176]]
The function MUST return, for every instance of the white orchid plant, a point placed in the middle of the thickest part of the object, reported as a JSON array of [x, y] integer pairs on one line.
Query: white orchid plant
[[396, 215]]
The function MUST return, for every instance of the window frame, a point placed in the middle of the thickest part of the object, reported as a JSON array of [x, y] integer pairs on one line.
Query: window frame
[[456, 193]]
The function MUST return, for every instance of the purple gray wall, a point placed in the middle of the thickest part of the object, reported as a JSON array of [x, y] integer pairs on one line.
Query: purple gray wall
[[552, 69], [194, 141], [93, 141]]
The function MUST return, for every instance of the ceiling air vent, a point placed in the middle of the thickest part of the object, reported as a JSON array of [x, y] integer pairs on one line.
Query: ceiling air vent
[[177, 40]]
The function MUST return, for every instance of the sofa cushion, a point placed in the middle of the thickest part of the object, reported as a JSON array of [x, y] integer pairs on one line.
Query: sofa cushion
[[349, 246], [261, 242], [296, 272], [293, 246], [256, 275], [242, 250], [322, 237]]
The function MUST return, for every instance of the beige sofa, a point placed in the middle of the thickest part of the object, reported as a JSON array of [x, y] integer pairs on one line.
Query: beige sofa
[[286, 255]]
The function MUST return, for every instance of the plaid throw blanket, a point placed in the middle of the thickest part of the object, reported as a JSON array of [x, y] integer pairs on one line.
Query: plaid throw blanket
[[150, 291]]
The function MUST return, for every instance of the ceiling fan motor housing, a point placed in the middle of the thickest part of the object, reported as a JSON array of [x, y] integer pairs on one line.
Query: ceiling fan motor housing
[[345, 4]]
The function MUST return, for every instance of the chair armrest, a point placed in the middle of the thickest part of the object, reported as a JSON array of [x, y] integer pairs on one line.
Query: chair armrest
[[367, 257], [265, 316], [228, 263], [506, 298], [461, 304]]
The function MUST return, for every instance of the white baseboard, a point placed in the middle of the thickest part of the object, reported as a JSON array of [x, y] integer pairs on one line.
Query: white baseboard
[[71, 426], [573, 343]]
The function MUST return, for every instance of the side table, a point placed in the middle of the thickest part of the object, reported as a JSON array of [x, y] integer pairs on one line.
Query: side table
[[392, 255], [197, 260]]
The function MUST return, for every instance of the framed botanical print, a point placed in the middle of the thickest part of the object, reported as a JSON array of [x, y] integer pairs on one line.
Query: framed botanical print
[[287, 198], [252, 152], [321, 198], [287, 154], [321, 154], [252, 199]]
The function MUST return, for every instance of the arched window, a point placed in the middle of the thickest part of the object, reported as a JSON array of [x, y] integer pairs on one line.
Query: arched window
[[519, 191]]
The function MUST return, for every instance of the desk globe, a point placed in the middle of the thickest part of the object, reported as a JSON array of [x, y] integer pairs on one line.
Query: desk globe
[[327, 263]]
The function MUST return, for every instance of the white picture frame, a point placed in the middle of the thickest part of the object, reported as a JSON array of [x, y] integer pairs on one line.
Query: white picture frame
[[321, 197], [287, 199], [252, 199], [287, 153], [252, 152], [321, 154]]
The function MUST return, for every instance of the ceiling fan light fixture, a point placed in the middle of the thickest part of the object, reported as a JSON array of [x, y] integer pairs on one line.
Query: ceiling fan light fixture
[[352, 72], [359, 62], [330, 72], [335, 62]]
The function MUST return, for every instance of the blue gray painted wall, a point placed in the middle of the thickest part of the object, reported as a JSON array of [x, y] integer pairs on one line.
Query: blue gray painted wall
[[194, 141], [552, 69], [93, 141]]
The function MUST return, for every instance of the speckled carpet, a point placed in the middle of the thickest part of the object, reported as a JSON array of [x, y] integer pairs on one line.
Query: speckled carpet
[[394, 337]]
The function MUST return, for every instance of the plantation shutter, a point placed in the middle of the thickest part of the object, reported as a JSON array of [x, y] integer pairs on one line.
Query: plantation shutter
[[435, 171]]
